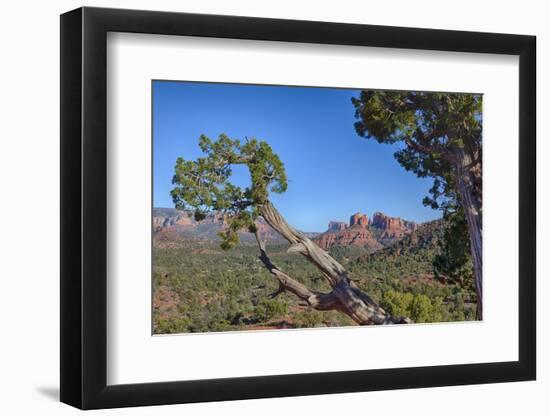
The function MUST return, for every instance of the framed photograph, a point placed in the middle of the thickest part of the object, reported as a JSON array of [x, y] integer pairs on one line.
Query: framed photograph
[[258, 208]]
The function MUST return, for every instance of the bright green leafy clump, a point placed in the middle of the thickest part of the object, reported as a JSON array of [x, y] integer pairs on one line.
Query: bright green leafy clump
[[419, 307]]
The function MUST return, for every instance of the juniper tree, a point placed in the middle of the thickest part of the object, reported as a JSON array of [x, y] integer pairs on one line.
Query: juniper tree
[[440, 136], [204, 185]]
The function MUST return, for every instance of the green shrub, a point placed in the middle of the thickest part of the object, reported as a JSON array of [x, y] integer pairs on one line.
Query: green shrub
[[397, 303], [172, 325], [418, 307], [269, 309], [309, 319]]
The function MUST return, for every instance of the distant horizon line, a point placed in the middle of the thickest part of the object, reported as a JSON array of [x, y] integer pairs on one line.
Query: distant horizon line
[[337, 221]]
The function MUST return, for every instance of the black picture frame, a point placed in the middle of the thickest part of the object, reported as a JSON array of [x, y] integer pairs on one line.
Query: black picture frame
[[84, 207]]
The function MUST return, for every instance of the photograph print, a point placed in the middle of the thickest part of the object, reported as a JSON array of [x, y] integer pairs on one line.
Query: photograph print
[[290, 207]]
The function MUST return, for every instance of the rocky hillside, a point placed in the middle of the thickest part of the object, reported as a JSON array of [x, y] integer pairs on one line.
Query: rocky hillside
[[372, 234], [176, 228], [173, 228], [425, 237]]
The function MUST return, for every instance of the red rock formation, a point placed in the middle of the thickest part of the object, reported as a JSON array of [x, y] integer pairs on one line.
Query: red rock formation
[[184, 220], [380, 231], [392, 227], [337, 226], [359, 219], [161, 222], [176, 228], [352, 236], [158, 223], [173, 227]]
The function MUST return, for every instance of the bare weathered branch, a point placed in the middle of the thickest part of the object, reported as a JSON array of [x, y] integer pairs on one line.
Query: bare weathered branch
[[345, 295], [314, 299]]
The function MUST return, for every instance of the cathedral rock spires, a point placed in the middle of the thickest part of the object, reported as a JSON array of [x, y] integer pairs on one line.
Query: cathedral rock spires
[[359, 219], [372, 234]]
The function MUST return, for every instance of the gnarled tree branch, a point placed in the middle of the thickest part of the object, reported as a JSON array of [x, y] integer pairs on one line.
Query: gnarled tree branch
[[345, 295], [314, 299]]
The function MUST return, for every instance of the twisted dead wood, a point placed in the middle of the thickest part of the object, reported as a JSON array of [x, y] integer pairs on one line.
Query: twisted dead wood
[[345, 296]]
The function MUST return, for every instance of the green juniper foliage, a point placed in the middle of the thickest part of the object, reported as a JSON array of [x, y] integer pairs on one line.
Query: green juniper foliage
[[431, 126], [454, 263], [205, 186], [432, 131]]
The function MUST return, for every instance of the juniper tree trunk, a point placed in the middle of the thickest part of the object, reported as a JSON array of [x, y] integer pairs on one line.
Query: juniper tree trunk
[[470, 199]]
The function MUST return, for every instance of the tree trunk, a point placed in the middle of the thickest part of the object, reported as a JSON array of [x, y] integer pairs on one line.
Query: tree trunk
[[345, 295], [471, 203]]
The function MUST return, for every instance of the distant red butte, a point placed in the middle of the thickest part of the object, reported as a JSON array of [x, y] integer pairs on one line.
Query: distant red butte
[[372, 234], [357, 233], [337, 226], [392, 227]]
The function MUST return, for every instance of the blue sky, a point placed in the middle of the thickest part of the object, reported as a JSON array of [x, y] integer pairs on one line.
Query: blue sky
[[332, 172]]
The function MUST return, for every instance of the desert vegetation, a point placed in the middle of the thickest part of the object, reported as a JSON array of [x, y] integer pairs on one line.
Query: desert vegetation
[[200, 288]]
